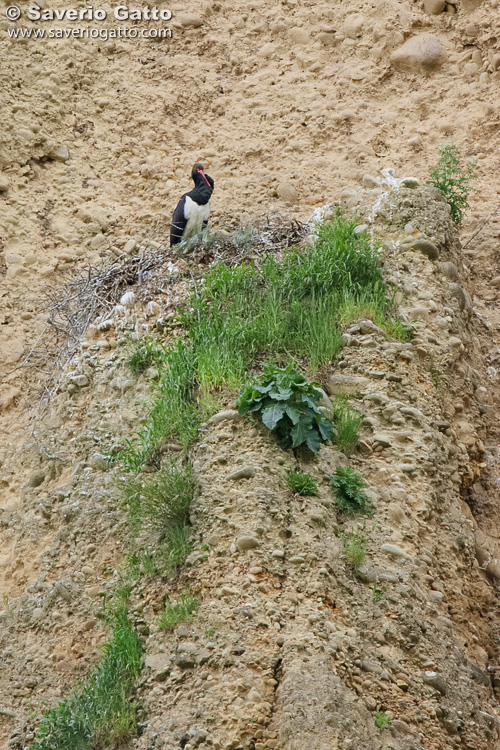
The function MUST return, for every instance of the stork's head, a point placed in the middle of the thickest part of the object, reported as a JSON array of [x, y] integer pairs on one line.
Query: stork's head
[[197, 169]]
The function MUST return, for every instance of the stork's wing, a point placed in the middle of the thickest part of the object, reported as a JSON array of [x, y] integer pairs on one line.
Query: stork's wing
[[178, 223]]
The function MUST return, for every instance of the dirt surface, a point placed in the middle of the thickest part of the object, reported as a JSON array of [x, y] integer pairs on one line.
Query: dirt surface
[[291, 106]]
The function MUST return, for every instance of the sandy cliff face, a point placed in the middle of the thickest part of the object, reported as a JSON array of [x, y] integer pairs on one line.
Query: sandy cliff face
[[291, 106]]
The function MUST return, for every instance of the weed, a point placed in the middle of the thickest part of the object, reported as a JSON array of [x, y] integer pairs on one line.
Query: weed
[[378, 594], [180, 611], [435, 375], [349, 494], [355, 547], [453, 180], [100, 711], [145, 353], [287, 402], [302, 484], [382, 719], [6, 604], [160, 506], [347, 423], [209, 633]]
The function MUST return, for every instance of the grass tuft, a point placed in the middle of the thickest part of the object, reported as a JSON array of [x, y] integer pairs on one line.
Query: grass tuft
[[180, 611], [101, 711], [355, 547], [347, 423], [160, 506]]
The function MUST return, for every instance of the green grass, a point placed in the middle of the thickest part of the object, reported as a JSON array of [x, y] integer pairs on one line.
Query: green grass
[[144, 354], [301, 484], [348, 489], [347, 423], [180, 611], [101, 711], [160, 505], [355, 547], [382, 719], [288, 310]]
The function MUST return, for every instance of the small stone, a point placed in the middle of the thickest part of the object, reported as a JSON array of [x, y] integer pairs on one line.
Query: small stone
[[128, 248], [229, 414], [298, 36], [383, 440], [423, 53], [353, 25], [278, 554], [186, 655], [98, 462], [410, 182], [394, 551], [4, 183], [245, 473], [426, 248], [370, 703], [287, 193], [493, 569], [436, 681], [59, 153], [297, 559], [79, 380], [434, 6], [189, 20], [127, 299], [247, 542], [36, 478], [450, 270]]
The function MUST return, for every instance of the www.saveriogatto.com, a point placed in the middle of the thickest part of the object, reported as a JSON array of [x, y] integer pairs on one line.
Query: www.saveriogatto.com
[[42, 19]]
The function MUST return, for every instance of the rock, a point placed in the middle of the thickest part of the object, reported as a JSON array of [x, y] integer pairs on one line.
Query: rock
[[245, 473], [353, 25], [436, 681], [462, 296], [423, 53], [4, 183], [346, 384], [128, 248], [189, 20], [327, 38], [59, 153], [325, 406], [79, 380], [299, 36], [98, 462], [410, 182], [394, 551], [159, 663], [450, 270], [287, 193], [384, 440], [434, 6], [185, 656], [493, 569], [369, 665], [36, 478], [127, 299], [426, 248], [230, 414], [247, 542]]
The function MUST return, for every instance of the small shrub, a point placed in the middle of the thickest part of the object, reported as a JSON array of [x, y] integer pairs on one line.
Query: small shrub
[[382, 719], [355, 547], [287, 403], [180, 611], [302, 484], [453, 180], [347, 423], [348, 488], [435, 374]]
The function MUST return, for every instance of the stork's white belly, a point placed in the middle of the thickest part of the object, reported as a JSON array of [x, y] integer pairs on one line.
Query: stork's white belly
[[195, 216]]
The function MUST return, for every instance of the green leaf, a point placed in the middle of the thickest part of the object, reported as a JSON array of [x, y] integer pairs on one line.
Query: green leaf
[[272, 415], [293, 413], [299, 433], [313, 441], [325, 429]]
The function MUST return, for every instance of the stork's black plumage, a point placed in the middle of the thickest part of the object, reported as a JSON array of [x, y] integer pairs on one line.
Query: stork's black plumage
[[193, 209]]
